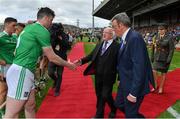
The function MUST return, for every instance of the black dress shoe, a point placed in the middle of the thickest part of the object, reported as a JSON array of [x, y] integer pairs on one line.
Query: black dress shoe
[[112, 114], [56, 94], [98, 116]]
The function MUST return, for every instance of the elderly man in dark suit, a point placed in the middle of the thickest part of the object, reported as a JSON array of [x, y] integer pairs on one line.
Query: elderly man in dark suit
[[104, 61], [134, 68]]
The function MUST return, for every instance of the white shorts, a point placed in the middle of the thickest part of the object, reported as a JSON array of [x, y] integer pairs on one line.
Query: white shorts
[[4, 69], [20, 82]]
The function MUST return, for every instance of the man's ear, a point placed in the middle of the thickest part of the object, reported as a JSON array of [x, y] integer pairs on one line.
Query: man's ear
[[6, 24], [119, 24], [45, 17]]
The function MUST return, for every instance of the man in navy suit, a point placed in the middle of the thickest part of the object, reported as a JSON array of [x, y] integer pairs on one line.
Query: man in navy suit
[[134, 68]]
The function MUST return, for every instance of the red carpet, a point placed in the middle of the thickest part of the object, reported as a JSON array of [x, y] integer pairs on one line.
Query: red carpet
[[77, 97], [154, 104], [78, 100]]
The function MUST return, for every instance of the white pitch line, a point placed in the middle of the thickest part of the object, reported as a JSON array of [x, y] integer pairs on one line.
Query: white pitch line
[[173, 112]]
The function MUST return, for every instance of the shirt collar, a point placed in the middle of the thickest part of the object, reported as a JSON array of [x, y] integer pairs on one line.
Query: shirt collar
[[41, 25], [5, 32], [14, 34], [109, 41], [125, 34]]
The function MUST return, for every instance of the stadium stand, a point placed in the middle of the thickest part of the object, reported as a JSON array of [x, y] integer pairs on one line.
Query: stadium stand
[[145, 15], [142, 12]]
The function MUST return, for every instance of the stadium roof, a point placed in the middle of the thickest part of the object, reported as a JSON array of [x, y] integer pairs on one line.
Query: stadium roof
[[108, 8]]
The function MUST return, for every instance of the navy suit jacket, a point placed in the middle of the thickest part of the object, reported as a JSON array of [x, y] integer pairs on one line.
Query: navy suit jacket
[[134, 68]]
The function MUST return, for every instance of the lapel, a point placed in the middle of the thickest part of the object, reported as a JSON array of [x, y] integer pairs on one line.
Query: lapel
[[98, 49], [125, 43], [108, 47]]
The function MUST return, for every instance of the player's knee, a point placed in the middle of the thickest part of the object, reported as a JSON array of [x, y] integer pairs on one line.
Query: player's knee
[[30, 106]]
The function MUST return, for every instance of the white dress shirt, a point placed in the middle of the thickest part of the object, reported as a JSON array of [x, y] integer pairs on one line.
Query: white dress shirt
[[108, 44]]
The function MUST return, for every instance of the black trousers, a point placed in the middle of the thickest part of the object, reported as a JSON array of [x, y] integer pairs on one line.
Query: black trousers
[[103, 94], [55, 72], [130, 109]]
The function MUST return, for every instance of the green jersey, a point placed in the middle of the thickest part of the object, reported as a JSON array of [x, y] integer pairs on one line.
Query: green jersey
[[7, 47], [15, 36], [29, 45]]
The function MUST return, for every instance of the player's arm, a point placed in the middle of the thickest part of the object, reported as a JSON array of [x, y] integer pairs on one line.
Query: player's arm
[[48, 51]]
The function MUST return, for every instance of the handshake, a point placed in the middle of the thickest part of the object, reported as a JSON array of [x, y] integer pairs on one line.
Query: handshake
[[74, 64]]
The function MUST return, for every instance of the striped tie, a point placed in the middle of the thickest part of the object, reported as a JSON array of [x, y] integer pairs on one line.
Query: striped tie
[[104, 47]]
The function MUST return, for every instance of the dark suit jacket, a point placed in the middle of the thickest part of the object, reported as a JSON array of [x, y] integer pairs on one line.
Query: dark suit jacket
[[63, 44], [109, 65], [164, 49], [134, 66]]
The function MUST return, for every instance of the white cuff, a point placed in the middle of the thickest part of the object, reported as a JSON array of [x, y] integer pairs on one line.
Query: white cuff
[[132, 96]]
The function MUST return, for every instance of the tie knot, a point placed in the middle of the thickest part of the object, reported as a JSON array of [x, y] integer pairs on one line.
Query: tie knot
[[105, 43]]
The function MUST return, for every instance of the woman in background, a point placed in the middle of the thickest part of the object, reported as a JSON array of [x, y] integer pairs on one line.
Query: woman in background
[[162, 54]]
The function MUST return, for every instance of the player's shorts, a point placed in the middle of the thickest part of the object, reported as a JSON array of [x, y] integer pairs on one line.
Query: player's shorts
[[20, 82], [4, 69]]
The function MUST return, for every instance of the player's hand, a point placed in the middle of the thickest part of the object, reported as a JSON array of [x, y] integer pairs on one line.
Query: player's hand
[[71, 65], [77, 62]]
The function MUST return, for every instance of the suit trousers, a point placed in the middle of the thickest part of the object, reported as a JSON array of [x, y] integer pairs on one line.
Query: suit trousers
[[103, 94], [130, 109], [55, 72]]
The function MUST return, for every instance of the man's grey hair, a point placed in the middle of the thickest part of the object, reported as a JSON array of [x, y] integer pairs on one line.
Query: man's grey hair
[[122, 18]]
